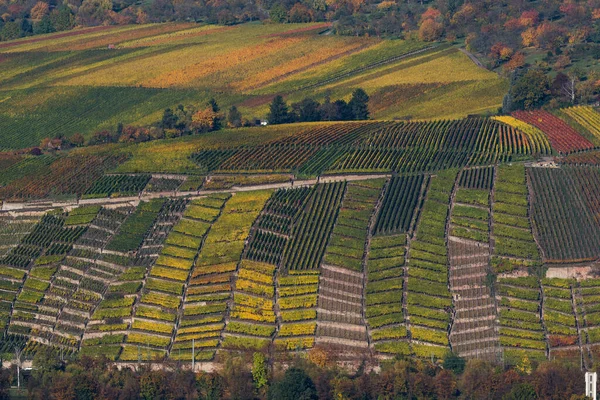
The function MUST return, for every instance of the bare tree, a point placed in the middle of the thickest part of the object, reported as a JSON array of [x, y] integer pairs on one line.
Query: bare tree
[[18, 354], [569, 88]]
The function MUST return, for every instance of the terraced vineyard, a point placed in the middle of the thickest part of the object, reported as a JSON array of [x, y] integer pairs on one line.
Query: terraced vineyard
[[474, 332], [417, 239]]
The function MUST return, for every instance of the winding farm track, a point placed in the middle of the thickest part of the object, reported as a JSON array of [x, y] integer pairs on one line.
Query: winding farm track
[[105, 201], [472, 57]]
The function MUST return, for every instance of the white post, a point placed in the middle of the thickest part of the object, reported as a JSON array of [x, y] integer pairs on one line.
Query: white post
[[18, 353], [591, 379]]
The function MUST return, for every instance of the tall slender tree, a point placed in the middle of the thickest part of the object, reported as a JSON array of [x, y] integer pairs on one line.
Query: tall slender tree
[[278, 111]]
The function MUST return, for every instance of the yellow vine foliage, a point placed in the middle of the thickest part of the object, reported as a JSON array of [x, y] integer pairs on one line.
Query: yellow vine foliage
[[538, 140], [297, 64], [222, 62]]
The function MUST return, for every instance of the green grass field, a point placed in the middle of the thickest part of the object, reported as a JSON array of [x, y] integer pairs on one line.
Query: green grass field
[[75, 84]]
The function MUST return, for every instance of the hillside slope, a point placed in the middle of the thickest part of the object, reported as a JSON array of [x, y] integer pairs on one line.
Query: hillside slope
[[419, 238], [60, 84]]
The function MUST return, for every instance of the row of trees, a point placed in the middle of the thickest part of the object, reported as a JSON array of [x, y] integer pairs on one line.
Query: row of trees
[[309, 110], [190, 120], [244, 376], [16, 22], [499, 30]]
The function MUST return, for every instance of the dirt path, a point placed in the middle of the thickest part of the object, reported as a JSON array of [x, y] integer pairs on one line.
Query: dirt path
[[473, 58], [134, 200]]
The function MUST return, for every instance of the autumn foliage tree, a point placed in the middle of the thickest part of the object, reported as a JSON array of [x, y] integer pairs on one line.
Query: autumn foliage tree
[[431, 28], [39, 11], [205, 120]]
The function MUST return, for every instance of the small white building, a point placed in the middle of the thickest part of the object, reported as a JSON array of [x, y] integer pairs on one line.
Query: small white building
[[591, 379]]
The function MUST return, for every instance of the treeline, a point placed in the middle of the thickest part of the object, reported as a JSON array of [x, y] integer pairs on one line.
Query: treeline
[[191, 120], [532, 88], [309, 110], [317, 376], [498, 30]]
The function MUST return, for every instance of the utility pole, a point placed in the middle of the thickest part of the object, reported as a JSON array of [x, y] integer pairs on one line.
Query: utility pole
[[193, 355]]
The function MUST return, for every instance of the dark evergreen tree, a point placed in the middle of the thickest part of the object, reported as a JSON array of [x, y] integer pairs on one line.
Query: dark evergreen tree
[[169, 119], [278, 111], [307, 110], [26, 27], [329, 111], [507, 103], [217, 121], [212, 103], [359, 104], [344, 111]]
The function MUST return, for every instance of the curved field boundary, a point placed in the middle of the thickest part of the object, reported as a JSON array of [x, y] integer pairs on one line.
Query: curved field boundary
[[539, 141], [563, 138]]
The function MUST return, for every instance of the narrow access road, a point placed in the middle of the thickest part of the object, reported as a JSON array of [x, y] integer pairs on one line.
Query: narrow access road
[[134, 200]]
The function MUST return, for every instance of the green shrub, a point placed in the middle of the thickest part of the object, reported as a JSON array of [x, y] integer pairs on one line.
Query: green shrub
[[428, 313], [558, 305], [423, 256], [164, 286], [140, 338], [471, 234], [519, 315]]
